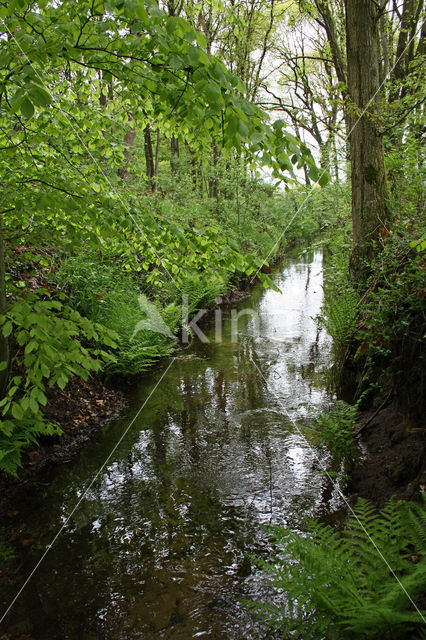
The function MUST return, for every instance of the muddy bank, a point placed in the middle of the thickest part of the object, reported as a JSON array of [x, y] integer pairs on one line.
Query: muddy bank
[[80, 411], [393, 456]]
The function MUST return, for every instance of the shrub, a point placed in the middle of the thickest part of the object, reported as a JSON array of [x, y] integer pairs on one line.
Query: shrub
[[53, 343], [390, 332]]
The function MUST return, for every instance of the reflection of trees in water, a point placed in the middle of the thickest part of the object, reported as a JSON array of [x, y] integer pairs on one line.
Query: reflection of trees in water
[[252, 387]]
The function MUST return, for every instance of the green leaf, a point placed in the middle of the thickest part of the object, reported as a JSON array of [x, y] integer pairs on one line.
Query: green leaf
[[243, 129], [324, 179], [193, 56], [314, 173], [201, 40], [40, 96], [34, 405], [62, 381], [41, 397], [212, 92], [141, 12], [33, 344], [7, 329], [27, 108], [17, 411]]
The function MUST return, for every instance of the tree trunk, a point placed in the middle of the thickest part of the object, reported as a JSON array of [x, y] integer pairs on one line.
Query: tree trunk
[[149, 159], [369, 192], [4, 343], [332, 36], [336, 161], [330, 25], [157, 155], [174, 155], [384, 50], [193, 165], [400, 69], [129, 140], [213, 181], [102, 96]]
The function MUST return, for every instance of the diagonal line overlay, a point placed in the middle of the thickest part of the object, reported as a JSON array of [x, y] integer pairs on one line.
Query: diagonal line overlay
[[288, 225], [336, 487], [87, 489]]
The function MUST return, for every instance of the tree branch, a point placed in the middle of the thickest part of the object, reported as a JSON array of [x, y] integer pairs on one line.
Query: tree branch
[[52, 186]]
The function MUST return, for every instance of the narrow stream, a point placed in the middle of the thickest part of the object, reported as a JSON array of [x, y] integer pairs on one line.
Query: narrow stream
[[158, 546]]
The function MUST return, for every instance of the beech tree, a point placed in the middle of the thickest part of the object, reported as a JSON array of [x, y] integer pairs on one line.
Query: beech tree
[[371, 72]]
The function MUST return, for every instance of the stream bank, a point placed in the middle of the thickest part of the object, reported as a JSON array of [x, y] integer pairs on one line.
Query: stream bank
[[80, 410], [158, 514]]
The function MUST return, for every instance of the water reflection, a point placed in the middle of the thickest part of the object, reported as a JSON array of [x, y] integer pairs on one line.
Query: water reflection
[[157, 548]]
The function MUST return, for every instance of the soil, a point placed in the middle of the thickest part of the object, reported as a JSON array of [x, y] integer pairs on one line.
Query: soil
[[393, 458]]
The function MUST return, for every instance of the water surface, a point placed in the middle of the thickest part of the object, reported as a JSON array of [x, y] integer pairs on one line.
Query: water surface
[[158, 545]]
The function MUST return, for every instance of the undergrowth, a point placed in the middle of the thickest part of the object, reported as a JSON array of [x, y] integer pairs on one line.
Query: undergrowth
[[122, 298], [53, 343], [361, 583], [390, 340]]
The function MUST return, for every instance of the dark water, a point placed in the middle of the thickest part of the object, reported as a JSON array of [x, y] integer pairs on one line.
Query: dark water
[[157, 546]]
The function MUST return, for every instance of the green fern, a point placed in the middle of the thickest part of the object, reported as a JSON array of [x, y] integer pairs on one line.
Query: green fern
[[201, 289], [339, 316], [360, 584], [139, 348]]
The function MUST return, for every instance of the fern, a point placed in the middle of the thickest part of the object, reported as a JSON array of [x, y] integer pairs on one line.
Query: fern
[[352, 585], [142, 341], [338, 317], [201, 289]]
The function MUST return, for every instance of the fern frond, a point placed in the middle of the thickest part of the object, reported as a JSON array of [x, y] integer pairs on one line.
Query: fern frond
[[361, 584]]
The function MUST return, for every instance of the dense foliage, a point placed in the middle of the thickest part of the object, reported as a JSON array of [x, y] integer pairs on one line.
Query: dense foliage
[[335, 430], [81, 83], [139, 172]]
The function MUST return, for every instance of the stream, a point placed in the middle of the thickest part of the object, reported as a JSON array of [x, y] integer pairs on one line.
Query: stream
[[158, 545]]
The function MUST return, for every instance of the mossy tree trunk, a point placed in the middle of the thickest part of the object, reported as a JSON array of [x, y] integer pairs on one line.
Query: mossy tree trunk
[[369, 191]]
